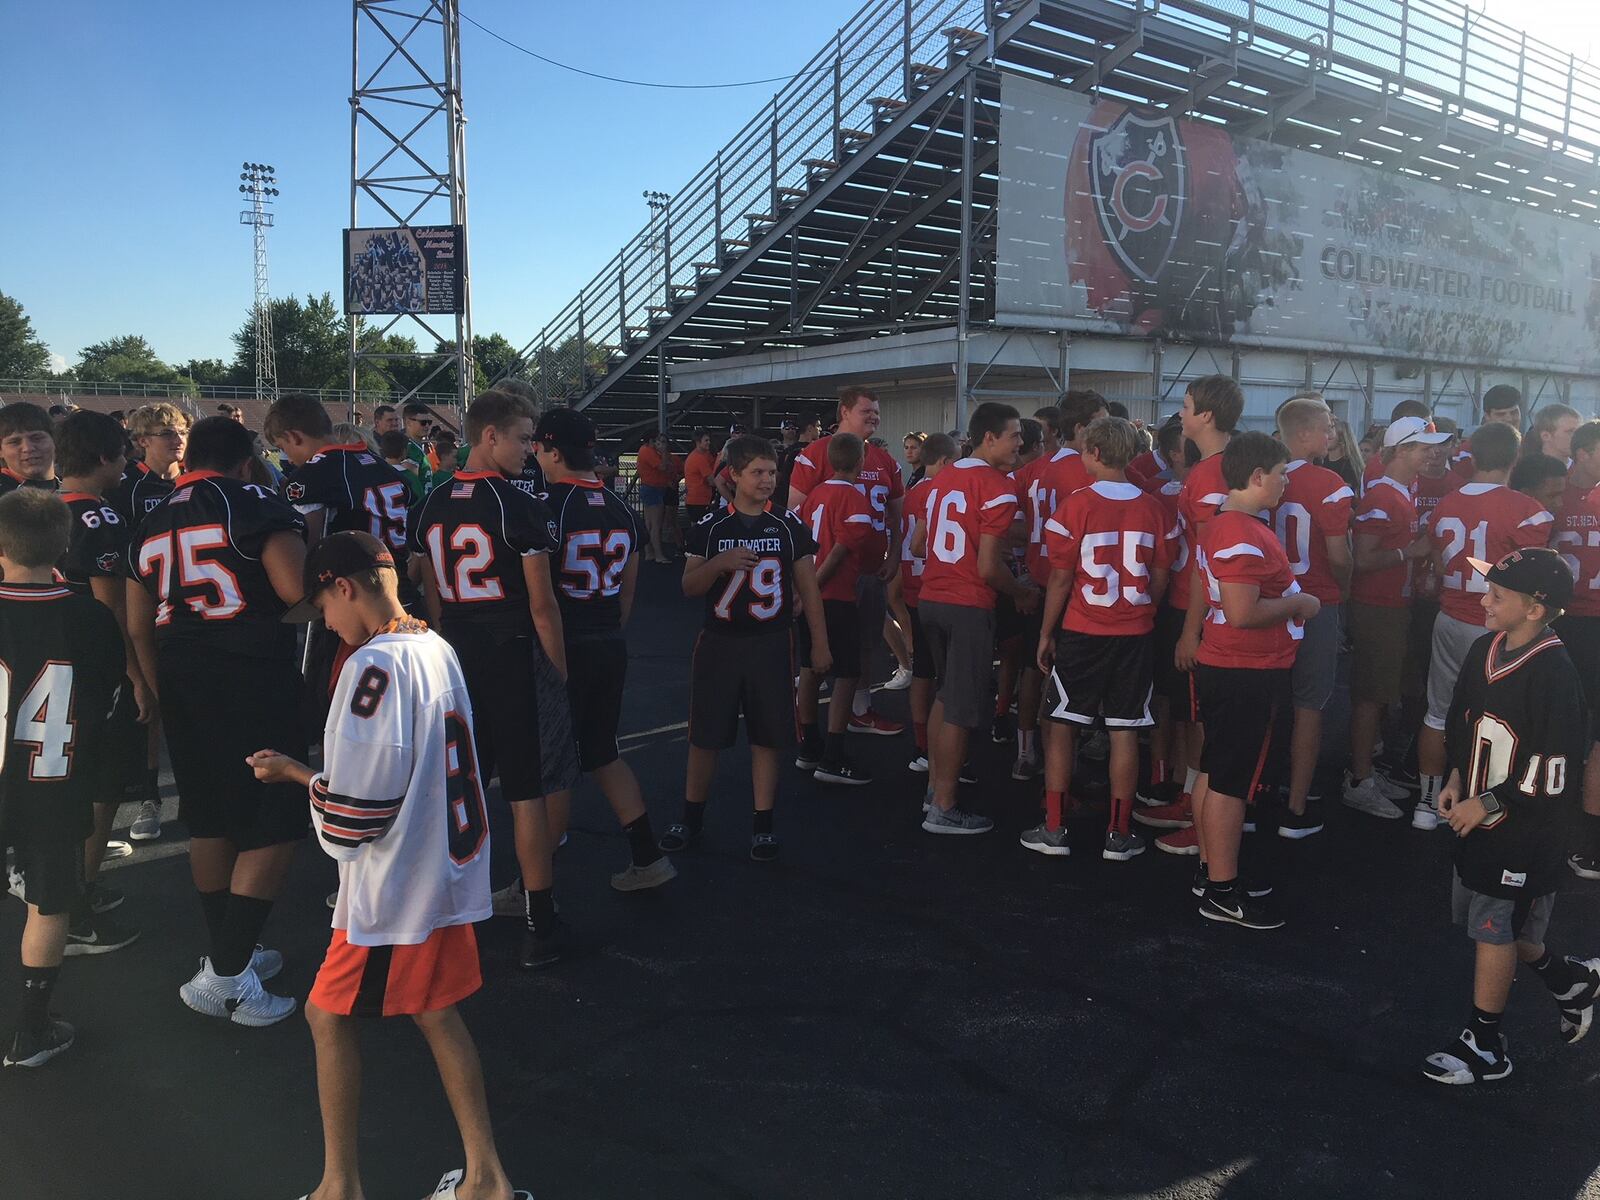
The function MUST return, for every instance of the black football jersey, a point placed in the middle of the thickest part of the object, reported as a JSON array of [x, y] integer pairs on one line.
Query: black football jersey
[[99, 544], [761, 598], [356, 490], [595, 537], [10, 482], [532, 478], [61, 663], [140, 490], [1517, 728], [198, 554], [475, 529]]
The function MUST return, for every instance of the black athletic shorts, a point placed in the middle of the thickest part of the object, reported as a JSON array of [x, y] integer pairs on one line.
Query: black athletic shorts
[[597, 670], [1581, 637], [125, 745], [322, 654], [216, 710], [843, 620], [921, 652], [1248, 716], [520, 714], [1171, 684], [751, 674], [1008, 622], [1107, 677], [52, 874]]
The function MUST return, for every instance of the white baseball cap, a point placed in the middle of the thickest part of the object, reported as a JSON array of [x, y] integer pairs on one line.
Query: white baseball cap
[[1412, 431]]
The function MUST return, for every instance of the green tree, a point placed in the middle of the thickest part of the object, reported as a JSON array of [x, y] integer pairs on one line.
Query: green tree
[[494, 356], [22, 354], [210, 372], [126, 359], [309, 343]]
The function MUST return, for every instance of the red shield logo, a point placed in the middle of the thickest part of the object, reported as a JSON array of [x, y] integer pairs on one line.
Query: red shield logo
[[1138, 173]]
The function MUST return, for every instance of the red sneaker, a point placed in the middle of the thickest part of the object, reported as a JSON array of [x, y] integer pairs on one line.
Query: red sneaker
[[876, 724], [1180, 841], [1178, 815]]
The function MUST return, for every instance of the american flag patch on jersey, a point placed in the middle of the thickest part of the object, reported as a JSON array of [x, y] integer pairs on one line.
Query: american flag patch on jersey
[[595, 499], [461, 491]]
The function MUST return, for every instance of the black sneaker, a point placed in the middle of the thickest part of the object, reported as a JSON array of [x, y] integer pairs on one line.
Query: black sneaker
[[101, 899], [1201, 881], [966, 774], [547, 947], [98, 934], [1585, 866], [763, 847], [1297, 827], [1400, 776], [1256, 889], [36, 1049], [808, 757], [1003, 730], [677, 837], [842, 773], [1237, 909], [1153, 794]]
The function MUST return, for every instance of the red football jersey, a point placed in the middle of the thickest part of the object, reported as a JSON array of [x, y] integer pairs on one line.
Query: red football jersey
[[1236, 547], [968, 499], [1201, 494], [1577, 537], [879, 478], [1042, 486], [1110, 537], [836, 512], [1486, 521], [1150, 471], [1167, 496], [1315, 507], [1387, 513], [910, 565], [1426, 492]]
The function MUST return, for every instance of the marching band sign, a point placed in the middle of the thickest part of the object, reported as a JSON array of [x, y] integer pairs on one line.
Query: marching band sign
[[1115, 219]]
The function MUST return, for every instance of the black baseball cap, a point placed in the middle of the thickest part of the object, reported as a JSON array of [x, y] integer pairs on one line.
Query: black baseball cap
[[789, 423], [337, 556], [565, 430], [1537, 572]]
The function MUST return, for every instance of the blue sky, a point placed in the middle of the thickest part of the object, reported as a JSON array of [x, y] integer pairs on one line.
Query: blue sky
[[127, 122]]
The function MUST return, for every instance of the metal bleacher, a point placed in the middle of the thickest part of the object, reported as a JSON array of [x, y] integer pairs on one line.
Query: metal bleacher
[[837, 211]]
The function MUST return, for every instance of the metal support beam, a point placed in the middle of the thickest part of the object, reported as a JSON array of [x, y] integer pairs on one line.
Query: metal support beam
[[1095, 75], [963, 259]]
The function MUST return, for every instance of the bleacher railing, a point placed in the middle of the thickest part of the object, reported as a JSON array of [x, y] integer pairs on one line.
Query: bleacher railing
[[70, 388]]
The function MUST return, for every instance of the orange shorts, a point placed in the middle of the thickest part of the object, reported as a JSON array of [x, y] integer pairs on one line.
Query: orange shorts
[[397, 981]]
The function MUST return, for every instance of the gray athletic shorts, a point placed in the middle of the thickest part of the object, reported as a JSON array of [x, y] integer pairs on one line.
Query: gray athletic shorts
[[1317, 661], [1451, 641], [1497, 921], [961, 641]]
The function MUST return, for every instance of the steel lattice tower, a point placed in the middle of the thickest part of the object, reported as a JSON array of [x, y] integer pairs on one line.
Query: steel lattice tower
[[408, 163], [259, 187]]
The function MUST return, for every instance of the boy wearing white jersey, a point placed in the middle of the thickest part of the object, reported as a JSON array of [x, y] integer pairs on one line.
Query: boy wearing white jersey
[[399, 805]]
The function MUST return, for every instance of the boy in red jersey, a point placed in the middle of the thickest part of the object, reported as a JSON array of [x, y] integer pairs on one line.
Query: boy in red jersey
[[1502, 405], [1168, 757], [1577, 537], [1374, 469], [1254, 623], [962, 535], [1312, 521], [1212, 406], [938, 452], [1386, 544], [1485, 520], [1110, 547], [839, 516]]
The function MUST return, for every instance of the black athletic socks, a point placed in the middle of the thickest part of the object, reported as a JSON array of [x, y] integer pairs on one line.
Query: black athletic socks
[[694, 816], [810, 733], [1485, 1027], [1591, 829], [833, 748], [641, 841], [541, 909], [33, 1013], [215, 907], [240, 933], [761, 822], [1555, 973]]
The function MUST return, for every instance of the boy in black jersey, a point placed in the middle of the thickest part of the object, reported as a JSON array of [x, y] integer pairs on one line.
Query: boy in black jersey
[[597, 566], [89, 455], [1515, 740], [61, 661], [213, 568], [485, 545], [27, 448], [749, 560], [158, 432]]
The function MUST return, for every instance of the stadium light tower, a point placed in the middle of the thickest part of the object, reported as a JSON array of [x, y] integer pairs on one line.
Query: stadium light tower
[[260, 187]]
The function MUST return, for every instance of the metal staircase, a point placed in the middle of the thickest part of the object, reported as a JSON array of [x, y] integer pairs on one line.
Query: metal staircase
[[837, 212]]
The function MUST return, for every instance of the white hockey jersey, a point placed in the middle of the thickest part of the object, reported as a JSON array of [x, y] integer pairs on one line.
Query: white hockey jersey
[[399, 802]]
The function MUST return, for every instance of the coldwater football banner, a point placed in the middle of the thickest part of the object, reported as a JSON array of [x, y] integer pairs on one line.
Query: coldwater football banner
[[1121, 220], [415, 269]]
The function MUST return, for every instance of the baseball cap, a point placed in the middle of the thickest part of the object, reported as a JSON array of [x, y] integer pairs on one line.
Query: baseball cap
[[1537, 572], [789, 423], [564, 429], [337, 556], [735, 429], [1412, 431]]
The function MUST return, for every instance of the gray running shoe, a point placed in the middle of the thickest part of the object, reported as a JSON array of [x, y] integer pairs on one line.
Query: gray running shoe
[[1367, 797], [146, 826], [637, 878], [1120, 847], [1043, 840], [957, 820]]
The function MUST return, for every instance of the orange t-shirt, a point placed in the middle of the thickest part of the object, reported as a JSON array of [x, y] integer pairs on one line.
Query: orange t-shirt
[[697, 477], [652, 468]]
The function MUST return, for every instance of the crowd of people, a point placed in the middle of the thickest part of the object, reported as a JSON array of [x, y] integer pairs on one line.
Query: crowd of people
[[1173, 601]]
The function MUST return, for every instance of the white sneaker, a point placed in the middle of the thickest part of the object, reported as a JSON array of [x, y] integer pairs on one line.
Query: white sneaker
[[899, 681], [240, 999], [1424, 815], [265, 963], [146, 826], [1027, 766], [919, 764], [509, 902], [1365, 796]]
